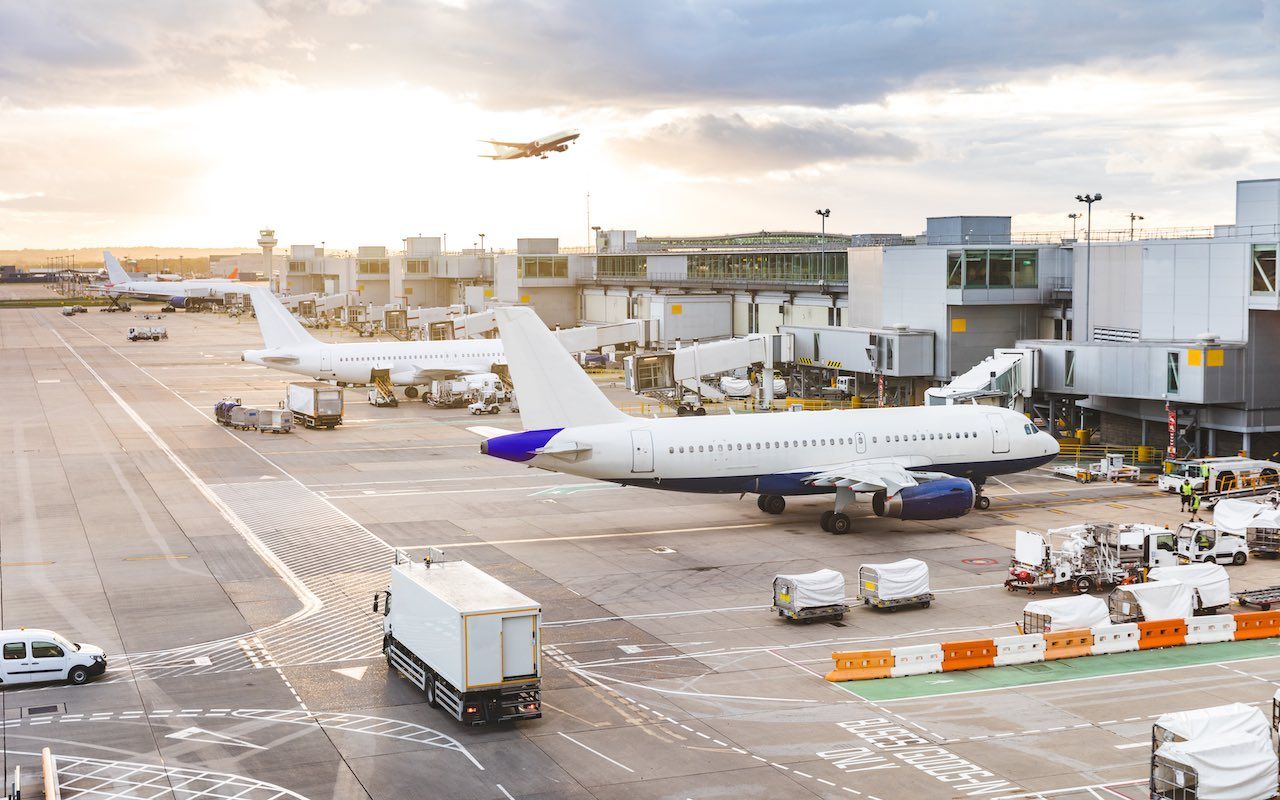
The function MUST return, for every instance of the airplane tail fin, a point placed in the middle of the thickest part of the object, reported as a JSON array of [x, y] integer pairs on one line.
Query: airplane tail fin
[[115, 272], [235, 274], [279, 328], [552, 390]]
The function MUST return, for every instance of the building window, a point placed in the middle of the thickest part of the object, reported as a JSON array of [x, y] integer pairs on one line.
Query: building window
[[542, 267], [418, 265], [992, 269], [297, 266], [1171, 374], [1026, 272], [975, 269], [955, 266], [1000, 271], [622, 266], [1264, 269], [374, 266], [1069, 370]]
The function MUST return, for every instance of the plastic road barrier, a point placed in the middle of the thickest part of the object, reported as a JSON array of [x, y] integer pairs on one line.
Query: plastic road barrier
[[916, 659], [1025, 649], [1216, 628], [1067, 644], [861, 665], [1257, 624], [1108, 638], [1161, 633], [968, 655]]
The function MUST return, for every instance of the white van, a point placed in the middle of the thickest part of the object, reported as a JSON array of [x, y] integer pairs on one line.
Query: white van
[[31, 655]]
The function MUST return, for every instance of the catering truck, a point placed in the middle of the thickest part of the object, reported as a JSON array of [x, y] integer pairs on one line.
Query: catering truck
[[467, 640], [316, 404]]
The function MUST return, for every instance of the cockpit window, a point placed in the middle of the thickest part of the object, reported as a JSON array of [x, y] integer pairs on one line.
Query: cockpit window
[[1030, 429]]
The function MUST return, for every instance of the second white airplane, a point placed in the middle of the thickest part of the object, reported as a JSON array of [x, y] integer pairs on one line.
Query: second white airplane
[[918, 463], [178, 293], [289, 347]]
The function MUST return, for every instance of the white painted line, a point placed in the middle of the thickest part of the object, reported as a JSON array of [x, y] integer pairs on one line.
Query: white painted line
[[1132, 745], [504, 791], [706, 529], [597, 752]]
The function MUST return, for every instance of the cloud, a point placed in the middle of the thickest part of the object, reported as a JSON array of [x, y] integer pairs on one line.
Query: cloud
[[713, 144], [517, 54]]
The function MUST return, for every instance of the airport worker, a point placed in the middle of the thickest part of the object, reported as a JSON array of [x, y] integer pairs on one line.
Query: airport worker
[[1185, 491], [1204, 473], [1195, 508]]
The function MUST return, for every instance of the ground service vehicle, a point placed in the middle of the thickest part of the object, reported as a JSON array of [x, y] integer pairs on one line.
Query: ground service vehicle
[[1200, 542], [315, 404], [68, 312], [1225, 474], [894, 585], [153, 334], [810, 596], [32, 655], [467, 640], [1087, 556]]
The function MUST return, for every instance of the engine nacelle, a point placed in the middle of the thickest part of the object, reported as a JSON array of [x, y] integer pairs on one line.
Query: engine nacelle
[[561, 148], [178, 302], [941, 499]]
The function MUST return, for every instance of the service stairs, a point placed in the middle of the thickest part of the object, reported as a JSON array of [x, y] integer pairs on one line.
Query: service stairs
[[706, 390]]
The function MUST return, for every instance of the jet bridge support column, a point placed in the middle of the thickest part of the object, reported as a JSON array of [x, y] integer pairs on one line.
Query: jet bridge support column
[[766, 376]]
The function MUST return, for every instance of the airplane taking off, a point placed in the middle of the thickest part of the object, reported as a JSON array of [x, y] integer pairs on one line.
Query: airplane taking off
[[915, 463], [289, 347], [176, 292], [555, 143]]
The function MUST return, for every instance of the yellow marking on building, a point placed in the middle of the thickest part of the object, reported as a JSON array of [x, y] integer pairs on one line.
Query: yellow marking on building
[[1214, 358], [1194, 358], [677, 309], [959, 325]]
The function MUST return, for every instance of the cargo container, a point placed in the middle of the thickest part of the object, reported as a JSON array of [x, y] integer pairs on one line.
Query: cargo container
[[316, 404]]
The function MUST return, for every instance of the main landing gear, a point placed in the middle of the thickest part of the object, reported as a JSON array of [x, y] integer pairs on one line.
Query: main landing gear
[[836, 522], [411, 392], [980, 501], [772, 503]]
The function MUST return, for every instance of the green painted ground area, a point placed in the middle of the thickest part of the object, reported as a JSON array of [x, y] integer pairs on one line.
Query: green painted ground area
[[1063, 670]]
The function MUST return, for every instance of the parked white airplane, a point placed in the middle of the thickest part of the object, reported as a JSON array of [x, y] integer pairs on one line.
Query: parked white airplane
[[176, 292], [915, 463], [555, 143], [289, 347]]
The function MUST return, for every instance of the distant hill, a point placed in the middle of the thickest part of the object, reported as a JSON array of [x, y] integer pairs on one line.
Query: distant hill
[[189, 259]]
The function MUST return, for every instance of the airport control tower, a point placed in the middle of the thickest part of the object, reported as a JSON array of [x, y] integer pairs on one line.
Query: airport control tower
[[267, 241]]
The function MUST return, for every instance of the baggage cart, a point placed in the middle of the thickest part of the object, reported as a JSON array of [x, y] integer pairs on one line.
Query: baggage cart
[[810, 596], [1262, 599], [244, 418], [895, 585], [275, 420]]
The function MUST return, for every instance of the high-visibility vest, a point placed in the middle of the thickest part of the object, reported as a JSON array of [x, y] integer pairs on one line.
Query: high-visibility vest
[[1195, 502], [1204, 470], [1186, 489]]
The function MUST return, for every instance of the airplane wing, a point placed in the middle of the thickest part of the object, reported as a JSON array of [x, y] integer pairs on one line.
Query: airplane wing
[[520, 145], [873, 476], [418, 373]]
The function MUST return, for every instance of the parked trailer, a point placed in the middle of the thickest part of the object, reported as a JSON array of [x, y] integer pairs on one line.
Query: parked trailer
[[275, 420], [222, 409], [244, 418], [1262, 599], [810, 596], [153, 334], [895, 585], [467, 640], [316, 404]]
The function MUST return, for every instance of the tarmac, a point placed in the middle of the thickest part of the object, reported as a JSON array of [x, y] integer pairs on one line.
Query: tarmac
[[229, 576]]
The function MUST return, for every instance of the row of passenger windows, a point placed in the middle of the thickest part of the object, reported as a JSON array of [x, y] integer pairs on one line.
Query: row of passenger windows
[[839, 441], [412, 358]]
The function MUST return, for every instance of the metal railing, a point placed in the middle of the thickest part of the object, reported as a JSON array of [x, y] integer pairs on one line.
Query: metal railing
[[1143, 454], [773, 279]]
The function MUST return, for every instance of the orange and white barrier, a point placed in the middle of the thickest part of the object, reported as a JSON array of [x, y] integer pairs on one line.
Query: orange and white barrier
[[925, 659], [918, 659], [1108, 638], [1027, 648]]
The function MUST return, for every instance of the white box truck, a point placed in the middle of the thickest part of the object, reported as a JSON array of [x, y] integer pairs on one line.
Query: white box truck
[[316, 404], [468, 641]]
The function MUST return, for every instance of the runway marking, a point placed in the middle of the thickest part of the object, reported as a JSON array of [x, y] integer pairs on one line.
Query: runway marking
[[597, 752], [103, 779], [1132, 745], [583, 537]]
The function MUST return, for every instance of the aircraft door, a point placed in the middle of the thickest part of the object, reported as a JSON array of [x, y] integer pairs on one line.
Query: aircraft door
[[861, 440], [999, 434], [641, 451], [326, 364]]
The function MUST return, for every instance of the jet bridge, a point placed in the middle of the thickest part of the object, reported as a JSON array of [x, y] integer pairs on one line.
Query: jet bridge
[[1006, 379], [659, 373], [639, 332]]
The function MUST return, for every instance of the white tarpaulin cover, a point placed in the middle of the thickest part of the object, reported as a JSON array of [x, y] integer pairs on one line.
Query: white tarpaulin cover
[[1068, 613], [810, 590], [1234, 516], [1209, 580], [741, 387], [1233, 767], [1233, 718], [906, 578], [1029, 548], [1162, 599]]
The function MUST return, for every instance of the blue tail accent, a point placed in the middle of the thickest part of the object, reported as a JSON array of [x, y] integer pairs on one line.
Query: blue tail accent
[[518, 447]]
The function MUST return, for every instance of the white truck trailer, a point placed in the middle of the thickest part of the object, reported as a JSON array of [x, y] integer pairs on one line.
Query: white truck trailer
[[467, 640], [316, 404]]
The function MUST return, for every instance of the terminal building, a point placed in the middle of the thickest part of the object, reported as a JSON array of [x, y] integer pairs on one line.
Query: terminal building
[[1119, 326]]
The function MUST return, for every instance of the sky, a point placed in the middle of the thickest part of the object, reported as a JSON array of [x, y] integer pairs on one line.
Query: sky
[[357, 122]]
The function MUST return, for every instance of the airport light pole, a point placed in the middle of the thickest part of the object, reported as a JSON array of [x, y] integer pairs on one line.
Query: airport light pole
[[824, 213], [1132, 219], [482, 243], [1074, 215], [1088, 200]]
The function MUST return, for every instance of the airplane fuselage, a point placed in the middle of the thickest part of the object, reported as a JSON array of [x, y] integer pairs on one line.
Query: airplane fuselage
[[162, 290], [406, 363], [773, 453]]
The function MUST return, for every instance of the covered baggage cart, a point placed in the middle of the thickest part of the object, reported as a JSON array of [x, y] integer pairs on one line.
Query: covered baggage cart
[[1064, 614], [896, 584], [1152, 600], [1218, 721], [275, 420], [1262, 534], [810, 596], [1209, 582], [1231, 767]]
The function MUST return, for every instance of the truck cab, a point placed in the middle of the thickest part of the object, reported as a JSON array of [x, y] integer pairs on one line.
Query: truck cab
[[35, 655], [1199, 542]]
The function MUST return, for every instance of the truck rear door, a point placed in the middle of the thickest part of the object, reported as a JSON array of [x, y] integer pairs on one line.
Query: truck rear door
[[519, 647]]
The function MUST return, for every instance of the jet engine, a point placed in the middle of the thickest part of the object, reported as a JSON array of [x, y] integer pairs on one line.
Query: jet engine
[[561, 148], [178, 302], [940, 499]]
